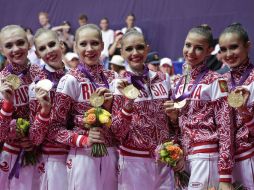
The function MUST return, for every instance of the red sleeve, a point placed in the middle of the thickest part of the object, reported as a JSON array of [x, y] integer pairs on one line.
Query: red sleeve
[[38, 123], [250, 126], [225, 125], [60, 113], [7, 124], [121, 118]]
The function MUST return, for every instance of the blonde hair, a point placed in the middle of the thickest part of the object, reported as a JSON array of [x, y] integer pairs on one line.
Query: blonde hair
[[132, 32], [12, 27], [88, 26], [43, 31]]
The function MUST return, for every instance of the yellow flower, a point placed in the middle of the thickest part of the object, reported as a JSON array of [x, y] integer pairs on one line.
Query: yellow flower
[[104, 118], [105, 112]]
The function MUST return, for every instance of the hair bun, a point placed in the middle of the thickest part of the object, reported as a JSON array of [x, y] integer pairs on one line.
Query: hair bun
[[205, 26], [238, 24]]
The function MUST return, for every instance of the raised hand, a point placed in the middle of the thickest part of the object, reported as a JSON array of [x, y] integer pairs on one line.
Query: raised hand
[[7, 90], [171, 112], [44, 99]]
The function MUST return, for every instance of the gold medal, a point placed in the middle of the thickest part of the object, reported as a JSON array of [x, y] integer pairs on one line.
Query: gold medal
[[131, 92], [96, 100], [45, 84], [235, 100], [14, 80], [180, 104]]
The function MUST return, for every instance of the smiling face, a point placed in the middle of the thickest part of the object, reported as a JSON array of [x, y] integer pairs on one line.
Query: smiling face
[[233, 49], [49, 49], [196, 49], [14, 45], [134, 51], [89, 46]]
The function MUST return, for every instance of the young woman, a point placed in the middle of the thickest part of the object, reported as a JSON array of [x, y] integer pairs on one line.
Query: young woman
[[200, 109], [14, 105], [52, 167], [71, 102], [235, 46], [141, 124]]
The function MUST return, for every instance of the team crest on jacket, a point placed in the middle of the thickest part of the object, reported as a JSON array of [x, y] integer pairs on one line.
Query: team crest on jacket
[[223, 85], [4, 166]]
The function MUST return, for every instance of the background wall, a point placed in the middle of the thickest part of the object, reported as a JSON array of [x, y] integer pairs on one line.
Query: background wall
[[164, 22]]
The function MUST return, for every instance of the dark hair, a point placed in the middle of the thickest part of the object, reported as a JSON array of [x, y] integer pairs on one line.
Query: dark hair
[[83, 17], [66, 47], [66, 22], [28, 29], [238, 29], [204, 30], [131, 14]]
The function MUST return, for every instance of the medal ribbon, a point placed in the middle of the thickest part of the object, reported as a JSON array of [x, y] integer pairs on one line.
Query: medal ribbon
[[51, 77], [243, 78], [21, 74], [137, 80], [82, 69], [17, 165], [195, 84]]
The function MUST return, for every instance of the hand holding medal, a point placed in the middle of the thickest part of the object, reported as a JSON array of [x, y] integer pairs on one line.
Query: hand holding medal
[[8, 85], [41, 90], [14, 81], [171, 111], [128, 90], [96, 100], [95, 118], [239, 97]]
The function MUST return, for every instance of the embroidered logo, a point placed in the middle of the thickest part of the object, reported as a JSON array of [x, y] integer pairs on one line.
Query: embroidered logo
[[41, 168], [223, 85], [4, 166], [69, 164]]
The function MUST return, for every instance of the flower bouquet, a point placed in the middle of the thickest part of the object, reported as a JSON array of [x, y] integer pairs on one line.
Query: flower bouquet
[[30, 155], [97, 117], [26, 156], [170, 153]]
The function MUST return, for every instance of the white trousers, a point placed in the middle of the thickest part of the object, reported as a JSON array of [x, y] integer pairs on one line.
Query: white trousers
[[52, 172], [203, 169], [243, 173], [87, 172], [137, 173], [25, 180]]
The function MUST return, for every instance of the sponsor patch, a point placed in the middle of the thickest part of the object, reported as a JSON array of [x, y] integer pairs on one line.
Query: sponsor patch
[[196, 184]]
